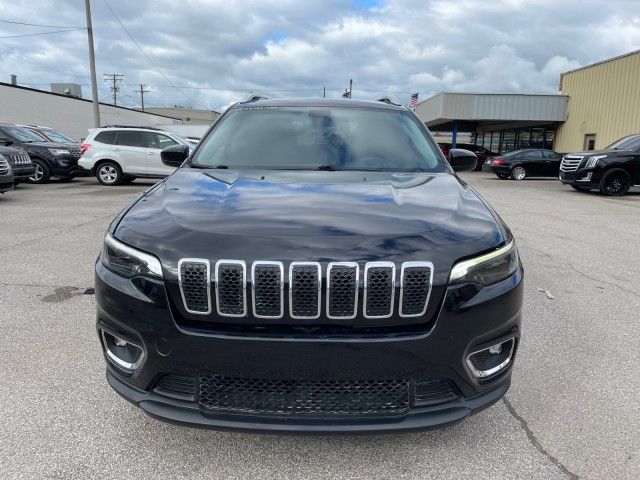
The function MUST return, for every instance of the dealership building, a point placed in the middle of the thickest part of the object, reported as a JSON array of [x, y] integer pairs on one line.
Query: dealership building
[[596, 105]]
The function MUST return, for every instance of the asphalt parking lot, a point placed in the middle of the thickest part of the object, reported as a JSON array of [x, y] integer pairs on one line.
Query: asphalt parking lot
[[573, 409]]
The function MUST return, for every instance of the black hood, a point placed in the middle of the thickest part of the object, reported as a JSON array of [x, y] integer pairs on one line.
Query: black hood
[[313, 216]]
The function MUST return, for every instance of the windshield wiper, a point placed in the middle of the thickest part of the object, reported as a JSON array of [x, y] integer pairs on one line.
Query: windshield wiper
[[327, 168]]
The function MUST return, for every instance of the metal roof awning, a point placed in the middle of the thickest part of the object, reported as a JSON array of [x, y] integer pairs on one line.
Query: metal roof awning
[[480, 111]]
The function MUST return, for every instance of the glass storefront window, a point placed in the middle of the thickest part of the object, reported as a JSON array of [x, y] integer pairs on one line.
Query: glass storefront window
[[508, 141], [524, 138], [537, 137], [549, 135], [495, 142]]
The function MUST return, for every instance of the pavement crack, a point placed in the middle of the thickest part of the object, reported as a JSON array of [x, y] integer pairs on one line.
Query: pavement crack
[[56, 233], [601, 280], [535, 442]]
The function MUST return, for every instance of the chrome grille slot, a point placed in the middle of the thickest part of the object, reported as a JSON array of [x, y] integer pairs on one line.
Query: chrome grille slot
[[74, 151], [570, 163], [194, 279], [379, 289], [21, 159], [231, 279], [416, 279], [268, 283], [342, 290], [305, 281]]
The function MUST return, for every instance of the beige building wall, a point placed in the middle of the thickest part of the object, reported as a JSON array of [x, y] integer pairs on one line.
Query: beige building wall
[[189, 116], [604, 100]]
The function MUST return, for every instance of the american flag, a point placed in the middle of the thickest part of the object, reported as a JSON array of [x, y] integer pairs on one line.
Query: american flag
[[414, 99]]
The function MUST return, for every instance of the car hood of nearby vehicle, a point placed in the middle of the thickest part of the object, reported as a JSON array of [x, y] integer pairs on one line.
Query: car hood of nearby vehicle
[[64, 146], [11, 151], [604, 152], [316, 216]]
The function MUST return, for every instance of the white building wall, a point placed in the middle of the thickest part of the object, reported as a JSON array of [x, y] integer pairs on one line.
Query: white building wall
[[70, 115]]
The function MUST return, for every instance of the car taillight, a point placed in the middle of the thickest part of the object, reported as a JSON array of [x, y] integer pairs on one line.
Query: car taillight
[[84, 147], [498, 161]]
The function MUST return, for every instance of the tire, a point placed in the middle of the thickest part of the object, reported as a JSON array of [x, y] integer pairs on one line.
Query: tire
[[109, 173], [518, 173], [615, 182], [580, 189], [42, 173]]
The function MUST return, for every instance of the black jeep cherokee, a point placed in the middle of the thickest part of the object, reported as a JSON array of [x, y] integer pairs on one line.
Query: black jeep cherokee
[[612, 171], [314, 265], [20, 162], [49, 159]]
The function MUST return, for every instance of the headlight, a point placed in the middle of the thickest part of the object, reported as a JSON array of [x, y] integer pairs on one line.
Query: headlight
[[127, 261], [487, 269], [593, 161], [59, 151]]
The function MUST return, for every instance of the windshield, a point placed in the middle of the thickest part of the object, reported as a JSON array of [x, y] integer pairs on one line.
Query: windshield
[[23, 134], [59, 137], [627, 143], [324, 138]]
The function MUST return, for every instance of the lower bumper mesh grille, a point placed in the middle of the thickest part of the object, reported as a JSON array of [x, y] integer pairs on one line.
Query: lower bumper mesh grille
[[304, 397]]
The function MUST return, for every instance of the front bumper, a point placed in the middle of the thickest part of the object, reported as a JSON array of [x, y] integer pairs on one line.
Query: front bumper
[[464, 325], [66, 166], [582, 177], [23, 171]]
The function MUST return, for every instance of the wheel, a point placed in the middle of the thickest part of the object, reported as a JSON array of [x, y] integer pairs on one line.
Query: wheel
[[109, 173], [42, 173], [518, 173], [580, 189], [615, 182], [502, 176]]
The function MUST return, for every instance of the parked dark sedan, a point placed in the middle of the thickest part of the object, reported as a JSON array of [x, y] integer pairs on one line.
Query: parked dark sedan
[[521, 164], [482, 153]]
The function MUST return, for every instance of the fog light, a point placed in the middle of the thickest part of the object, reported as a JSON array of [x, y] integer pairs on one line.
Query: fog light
[[491, 361], [123, 354], [586, 178]]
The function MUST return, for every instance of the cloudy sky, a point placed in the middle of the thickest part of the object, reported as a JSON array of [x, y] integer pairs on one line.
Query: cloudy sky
[[209, 53]]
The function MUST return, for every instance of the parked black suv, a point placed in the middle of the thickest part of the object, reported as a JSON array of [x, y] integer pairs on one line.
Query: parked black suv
[[314, 265], [50, 159], [612, 171], [20, 162], [6, 175]]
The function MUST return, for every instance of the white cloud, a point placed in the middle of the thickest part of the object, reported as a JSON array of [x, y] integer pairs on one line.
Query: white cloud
[[228, 47]]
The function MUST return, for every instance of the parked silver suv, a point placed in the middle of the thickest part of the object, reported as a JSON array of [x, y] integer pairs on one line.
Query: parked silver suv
[[120, 154]]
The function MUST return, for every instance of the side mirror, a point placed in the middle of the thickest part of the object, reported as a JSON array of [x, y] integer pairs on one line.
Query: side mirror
[[174, 155], [462, 160]]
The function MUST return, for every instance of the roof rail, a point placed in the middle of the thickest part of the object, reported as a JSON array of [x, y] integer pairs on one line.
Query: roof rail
[[389, 99], [254, 97], [131, 126]]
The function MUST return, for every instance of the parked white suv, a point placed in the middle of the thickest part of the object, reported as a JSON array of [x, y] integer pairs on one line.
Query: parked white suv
[[120, 154]]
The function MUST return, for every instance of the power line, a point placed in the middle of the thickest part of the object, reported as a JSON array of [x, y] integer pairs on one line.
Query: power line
[[36, 24], [43, 33], [144, 53], [46, 69]]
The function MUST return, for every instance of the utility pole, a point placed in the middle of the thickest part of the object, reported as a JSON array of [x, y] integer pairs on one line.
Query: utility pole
[[350, 88], [114, 78], [92, 65], [324, 92], [142, 91]]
